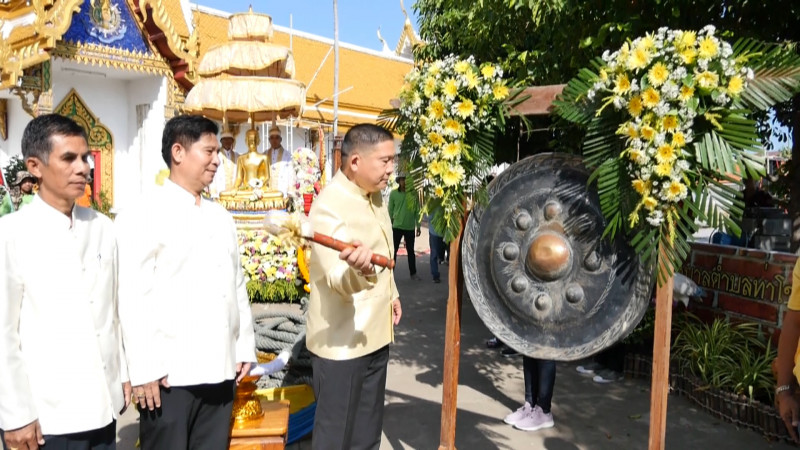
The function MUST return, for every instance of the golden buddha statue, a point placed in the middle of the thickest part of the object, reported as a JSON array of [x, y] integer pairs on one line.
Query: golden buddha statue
[[250, 195], [251, 166]]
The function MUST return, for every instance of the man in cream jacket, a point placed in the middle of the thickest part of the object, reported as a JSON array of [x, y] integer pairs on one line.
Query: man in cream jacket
[[61, 362], [354, 305]]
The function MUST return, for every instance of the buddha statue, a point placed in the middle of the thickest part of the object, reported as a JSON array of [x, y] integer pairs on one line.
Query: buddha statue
[[243, 200], [251, 166]]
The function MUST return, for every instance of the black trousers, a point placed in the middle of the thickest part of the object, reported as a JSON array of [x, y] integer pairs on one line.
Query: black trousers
[[190, 418], [100, 439], [410, 236], [540, 378], [350, 397]]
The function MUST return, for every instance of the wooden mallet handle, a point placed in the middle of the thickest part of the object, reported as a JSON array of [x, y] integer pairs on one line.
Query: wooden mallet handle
[[327, 241]]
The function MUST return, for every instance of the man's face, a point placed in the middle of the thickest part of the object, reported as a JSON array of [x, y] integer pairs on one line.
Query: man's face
[[199, 162], [372, 169], [27, 186], [65, 174], [275, 140], [227, 143]]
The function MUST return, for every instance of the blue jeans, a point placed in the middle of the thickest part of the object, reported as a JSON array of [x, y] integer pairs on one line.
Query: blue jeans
[[540, 378], [437, 253]]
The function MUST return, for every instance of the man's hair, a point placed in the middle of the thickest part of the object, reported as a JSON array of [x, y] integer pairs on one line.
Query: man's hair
[[184, 130], [364, 136], [36, 137]]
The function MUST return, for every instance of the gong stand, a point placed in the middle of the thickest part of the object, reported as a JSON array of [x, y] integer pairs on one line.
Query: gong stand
[[539, 102]]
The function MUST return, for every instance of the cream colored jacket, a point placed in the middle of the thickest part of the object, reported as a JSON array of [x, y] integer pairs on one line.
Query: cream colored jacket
[[349, 315]]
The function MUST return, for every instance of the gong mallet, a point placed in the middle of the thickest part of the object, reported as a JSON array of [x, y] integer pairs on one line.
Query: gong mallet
[[284, 225]]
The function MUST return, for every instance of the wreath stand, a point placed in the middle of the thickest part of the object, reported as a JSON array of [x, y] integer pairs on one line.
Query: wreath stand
[[539, 102]]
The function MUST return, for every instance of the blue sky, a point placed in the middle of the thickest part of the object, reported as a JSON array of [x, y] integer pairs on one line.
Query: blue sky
[[358, 19]]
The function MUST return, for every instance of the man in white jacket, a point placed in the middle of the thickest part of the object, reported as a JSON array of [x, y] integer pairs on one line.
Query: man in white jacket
[[184, 309], [63, 380]]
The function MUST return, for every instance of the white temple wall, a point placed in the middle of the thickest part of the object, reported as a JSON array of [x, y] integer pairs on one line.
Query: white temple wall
[[147, 99], [17, 119]]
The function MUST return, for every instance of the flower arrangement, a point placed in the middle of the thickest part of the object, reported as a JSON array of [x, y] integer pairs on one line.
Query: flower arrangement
[[670, 132], [270, 266], [307, 174], [449, 112]]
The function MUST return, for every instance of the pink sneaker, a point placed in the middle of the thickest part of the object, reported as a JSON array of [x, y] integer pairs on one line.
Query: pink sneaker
[[521, 413], [536, 420]]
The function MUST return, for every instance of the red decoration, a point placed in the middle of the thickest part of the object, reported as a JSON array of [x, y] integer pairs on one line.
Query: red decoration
[[307, 199]]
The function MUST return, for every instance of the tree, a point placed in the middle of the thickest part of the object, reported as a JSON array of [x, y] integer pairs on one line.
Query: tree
[[540, 42]]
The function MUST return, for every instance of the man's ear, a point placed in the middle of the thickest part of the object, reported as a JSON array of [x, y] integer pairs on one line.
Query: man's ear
[[354, 162], [178, 153], [34, 166]]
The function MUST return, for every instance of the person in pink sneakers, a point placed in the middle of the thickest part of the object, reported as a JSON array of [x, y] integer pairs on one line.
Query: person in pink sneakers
[[540, 378]]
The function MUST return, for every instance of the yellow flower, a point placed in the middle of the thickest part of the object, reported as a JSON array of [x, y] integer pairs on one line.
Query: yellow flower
[[686, 93], [640, 186], [436, 109], [708, 80], [628, 129], [622, 84], [161, 176], [650, 98], [675, 190], [452, 175], [429, 88], [438, 191], [465, 108], [638, 59], [424, 151], [436, 139], [452, 126], [450, 88], [665, 153], [678, 139], [635, 106], [648, 132], [735, 85], [688, 55], [500, 91], [647, 42], [435, 68], [435, 167], [488, 71], [462, 67], [603, 75], [634, 155], [708, 47], [658, 74], [451, 150], [686, 39], [650, 203], [471, 78], [669, 123], [664, 169]]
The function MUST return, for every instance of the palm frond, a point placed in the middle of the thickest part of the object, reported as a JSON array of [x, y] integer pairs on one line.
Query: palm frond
[[776, 72]]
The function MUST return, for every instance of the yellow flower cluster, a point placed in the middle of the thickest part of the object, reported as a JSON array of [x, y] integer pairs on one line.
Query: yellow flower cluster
[[266, 258], [443, 104], [660, 83]]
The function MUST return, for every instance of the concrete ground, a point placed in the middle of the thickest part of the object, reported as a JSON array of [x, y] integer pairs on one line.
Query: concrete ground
[[588, 416]]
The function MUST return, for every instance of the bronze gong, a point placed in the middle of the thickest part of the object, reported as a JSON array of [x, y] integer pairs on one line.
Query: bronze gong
[[537, 270]]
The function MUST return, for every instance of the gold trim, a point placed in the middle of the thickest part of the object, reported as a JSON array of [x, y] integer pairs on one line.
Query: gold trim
[[4, 118], [99, 136], [53, 18], [100, 55], [186, 49]]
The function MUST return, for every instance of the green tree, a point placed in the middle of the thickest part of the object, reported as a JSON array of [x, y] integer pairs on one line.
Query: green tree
[[540, 42]]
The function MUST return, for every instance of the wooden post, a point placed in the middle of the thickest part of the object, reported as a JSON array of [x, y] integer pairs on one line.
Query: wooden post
[[659, 389], [452, 345]]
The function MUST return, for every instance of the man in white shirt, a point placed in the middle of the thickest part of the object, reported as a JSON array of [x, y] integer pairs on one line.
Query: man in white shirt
[[226, 172], [184, 309], [63, 380], [281, 170]]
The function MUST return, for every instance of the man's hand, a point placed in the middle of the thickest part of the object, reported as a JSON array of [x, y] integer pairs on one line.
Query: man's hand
[[419, 231], [148, 394], [242, 369], [789, 410], [358, 257], [28, 437], [397, 311], [126, 394]]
